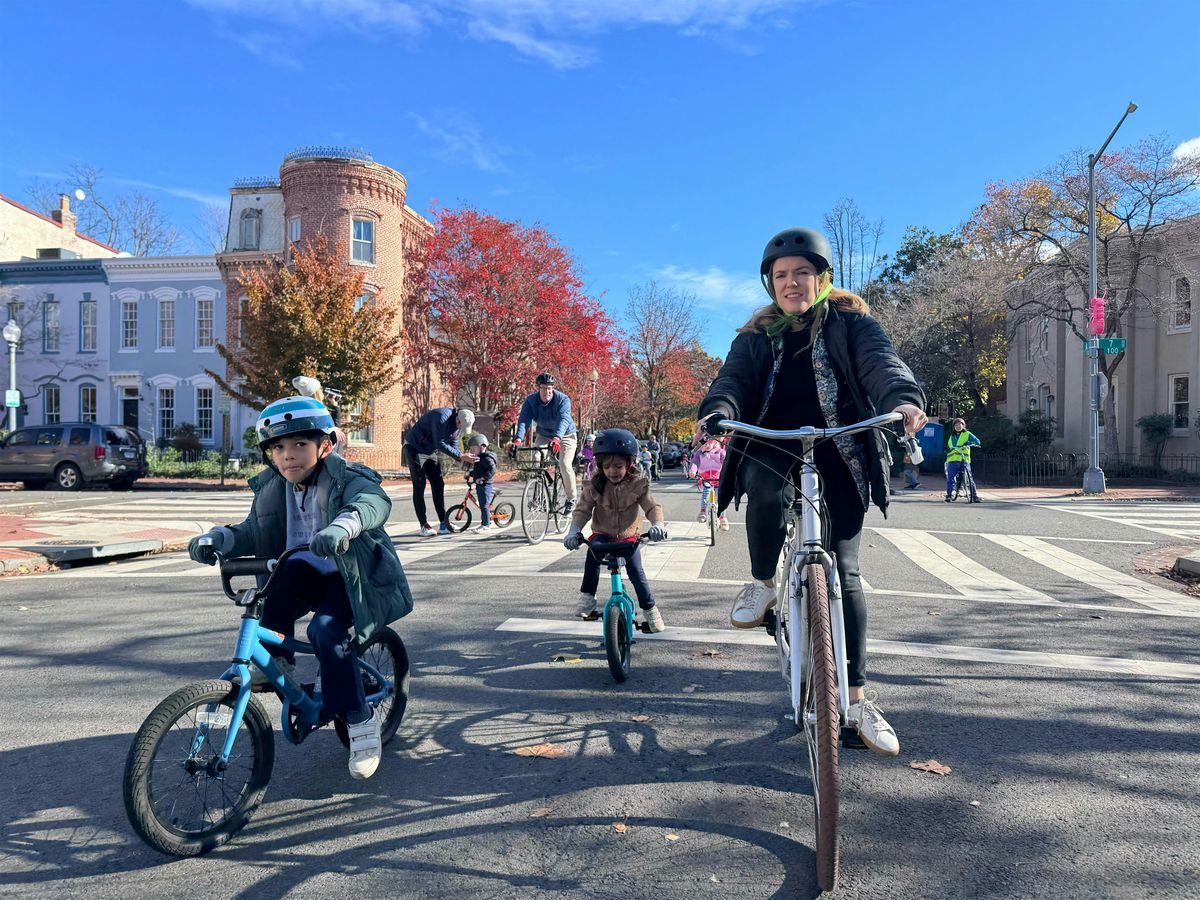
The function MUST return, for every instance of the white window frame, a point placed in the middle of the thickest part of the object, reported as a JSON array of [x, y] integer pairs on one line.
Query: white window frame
[[88, 330], [294, 230], [205, 435], [129, 326], [166, 412], [206, 325], [51, 325], [1176, 326], [362, 249], [86, 414], [51, 412], [166, 325], [1028, 331], [1173, 404]]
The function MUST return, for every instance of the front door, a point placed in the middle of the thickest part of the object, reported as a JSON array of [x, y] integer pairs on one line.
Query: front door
[[129, 412]]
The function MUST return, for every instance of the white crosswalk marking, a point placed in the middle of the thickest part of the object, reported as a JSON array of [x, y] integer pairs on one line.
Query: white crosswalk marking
[[955, 568], [1093, 574], [1179, 520]]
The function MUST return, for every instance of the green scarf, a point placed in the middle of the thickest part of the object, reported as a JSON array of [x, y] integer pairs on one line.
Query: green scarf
[[811, 317]]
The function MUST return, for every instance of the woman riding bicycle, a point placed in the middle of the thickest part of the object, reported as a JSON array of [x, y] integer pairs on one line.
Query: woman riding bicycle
[[813, 356]]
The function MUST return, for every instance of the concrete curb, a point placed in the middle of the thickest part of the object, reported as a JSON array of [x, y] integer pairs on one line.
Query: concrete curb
[[1188, 565]]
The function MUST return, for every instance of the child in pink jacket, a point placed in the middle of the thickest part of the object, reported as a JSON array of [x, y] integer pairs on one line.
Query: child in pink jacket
[[706, 466]]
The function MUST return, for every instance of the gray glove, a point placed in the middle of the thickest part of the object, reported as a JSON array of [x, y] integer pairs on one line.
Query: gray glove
[[574, 539], [658, 533], [330, 540], [205, 554]]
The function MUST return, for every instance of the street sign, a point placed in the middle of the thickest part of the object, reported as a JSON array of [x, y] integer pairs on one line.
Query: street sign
[[12, 399], [1108, 346], [223, 405]]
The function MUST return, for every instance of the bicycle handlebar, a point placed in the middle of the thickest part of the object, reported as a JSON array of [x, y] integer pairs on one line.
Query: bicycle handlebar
[[809, 433], [602, 547], [246, 566]]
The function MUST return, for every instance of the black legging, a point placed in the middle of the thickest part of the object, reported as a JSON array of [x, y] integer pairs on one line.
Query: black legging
[[432, 472], [769, 496]]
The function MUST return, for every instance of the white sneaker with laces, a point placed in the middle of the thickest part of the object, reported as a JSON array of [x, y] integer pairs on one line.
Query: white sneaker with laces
[[482, 529], [865, 717], [366, 747], [751, 605], [654, 620], [586, 607], [428, 531]]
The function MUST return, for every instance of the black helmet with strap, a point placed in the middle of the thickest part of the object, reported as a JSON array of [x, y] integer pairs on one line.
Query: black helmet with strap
[[806, 242], [545, 378], [616, 440]]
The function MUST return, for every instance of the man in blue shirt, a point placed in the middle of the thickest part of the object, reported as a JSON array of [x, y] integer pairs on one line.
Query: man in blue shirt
[[550, 411], [435, 432]]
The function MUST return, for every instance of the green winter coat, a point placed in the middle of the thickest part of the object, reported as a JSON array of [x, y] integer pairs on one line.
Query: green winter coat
[[375, 581]]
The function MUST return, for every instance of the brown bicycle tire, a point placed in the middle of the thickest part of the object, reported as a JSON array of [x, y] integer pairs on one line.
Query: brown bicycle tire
[[823, 700]]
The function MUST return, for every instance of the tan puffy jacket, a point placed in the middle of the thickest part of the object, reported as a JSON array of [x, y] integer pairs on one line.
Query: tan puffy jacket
[[617, 510]]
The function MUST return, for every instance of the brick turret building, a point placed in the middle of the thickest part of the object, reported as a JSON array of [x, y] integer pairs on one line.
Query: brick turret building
[[355, 202]]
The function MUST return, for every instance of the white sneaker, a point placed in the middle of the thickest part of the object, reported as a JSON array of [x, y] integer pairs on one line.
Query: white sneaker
[[482, 529], [366, 747], [260, 683], [865, 717], [428, 531], [654, 620], [751, 605], [723, 523], [702, 519], [586, 607]]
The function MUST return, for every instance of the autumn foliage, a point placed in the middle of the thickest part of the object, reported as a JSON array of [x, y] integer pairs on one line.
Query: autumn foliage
[[304, 319], [492, 303]]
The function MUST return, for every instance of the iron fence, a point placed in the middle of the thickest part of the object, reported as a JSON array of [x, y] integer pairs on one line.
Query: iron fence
[[1032, 470], [1168, 467]]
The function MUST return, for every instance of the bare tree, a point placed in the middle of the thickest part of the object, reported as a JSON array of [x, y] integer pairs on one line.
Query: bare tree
[[855, 240], [1146, 203], [131, 222], [663, 332], [211, 226]]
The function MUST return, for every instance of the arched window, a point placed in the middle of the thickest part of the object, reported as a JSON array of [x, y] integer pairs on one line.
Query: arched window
[[1181, 305], [251, 227]]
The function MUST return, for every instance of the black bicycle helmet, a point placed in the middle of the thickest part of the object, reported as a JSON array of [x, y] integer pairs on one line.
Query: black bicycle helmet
[[616, 440], [806, 242], [545, 378]]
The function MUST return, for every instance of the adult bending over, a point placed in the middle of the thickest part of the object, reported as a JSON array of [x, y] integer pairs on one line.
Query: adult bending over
[[435, 432]]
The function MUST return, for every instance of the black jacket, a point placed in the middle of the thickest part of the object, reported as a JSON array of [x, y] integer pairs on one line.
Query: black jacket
[[871, 379]]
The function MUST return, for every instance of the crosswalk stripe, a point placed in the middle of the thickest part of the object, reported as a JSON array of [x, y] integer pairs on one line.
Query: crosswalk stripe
[[754, 637], [1093, 574], [955, 568]]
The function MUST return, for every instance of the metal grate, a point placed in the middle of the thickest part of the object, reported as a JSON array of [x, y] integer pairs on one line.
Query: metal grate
[[328, 151]]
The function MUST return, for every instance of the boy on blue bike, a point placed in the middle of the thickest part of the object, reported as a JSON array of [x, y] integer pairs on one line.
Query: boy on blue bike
[[614, 500], [349, 576]]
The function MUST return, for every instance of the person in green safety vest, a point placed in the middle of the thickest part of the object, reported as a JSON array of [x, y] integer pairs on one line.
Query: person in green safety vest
[[958, 456]]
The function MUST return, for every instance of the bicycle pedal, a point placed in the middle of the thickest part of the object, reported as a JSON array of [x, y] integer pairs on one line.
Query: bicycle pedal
[[851, 740], [592, 616]]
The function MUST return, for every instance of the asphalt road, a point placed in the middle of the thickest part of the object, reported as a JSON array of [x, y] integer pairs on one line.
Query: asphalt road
[[1061, 694]]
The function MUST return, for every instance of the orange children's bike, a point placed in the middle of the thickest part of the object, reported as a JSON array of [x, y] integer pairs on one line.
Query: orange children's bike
[[458, 518]]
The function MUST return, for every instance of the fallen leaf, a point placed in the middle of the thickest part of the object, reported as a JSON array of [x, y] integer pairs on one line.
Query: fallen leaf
[[540, 813], [672, 837], [932, 613], [22, 608], [545, 750], [714, 879], [570, 660], [1095, 617], [640, 717], [785, 824], [930, 765], [620, 827], [974, 802], [711, 652]]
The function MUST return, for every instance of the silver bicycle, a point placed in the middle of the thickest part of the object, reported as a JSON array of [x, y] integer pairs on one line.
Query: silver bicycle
[[809, 629]]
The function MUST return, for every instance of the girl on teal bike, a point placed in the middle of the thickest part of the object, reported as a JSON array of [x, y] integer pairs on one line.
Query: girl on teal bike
[[349, 577], [614, 500]]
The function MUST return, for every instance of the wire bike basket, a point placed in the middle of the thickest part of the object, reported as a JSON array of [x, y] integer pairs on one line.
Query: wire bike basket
[[532, 459]]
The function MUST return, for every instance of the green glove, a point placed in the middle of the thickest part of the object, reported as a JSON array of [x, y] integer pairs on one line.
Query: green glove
[[330, 540]]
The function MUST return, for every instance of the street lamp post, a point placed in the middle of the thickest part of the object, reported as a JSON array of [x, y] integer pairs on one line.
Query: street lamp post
[[594, 378], [12, 335], [1093, 478]]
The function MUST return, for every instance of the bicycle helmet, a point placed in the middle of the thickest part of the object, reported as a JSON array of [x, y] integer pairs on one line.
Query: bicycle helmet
[[806, 242], [478, 440], [616, 440], [292, 415], [591, 437], [545, 378]]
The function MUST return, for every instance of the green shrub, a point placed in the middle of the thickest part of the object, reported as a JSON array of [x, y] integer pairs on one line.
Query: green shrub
[[1156, 428]]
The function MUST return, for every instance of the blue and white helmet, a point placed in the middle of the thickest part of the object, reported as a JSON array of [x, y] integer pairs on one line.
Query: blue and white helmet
[[292, 415]]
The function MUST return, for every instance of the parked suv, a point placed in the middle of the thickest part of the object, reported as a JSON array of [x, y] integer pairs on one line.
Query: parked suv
[[72, 454]]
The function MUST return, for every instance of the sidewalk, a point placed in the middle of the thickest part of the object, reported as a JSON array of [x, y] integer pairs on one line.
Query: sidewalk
[[1124, 491], [39, 541]]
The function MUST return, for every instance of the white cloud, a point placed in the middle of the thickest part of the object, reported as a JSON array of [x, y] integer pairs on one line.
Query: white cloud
[[460, 139], [1188, 149], [538, 29], [715, 289], [184, 192]]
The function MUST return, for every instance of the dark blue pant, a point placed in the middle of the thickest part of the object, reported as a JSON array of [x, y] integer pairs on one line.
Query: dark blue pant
[[297, 589], [952, 469], [484, 494], [910, 475], [633, 571]]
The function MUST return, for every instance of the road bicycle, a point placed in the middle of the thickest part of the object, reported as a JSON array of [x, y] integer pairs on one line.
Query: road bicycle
[[960, 488], [458, 518], [808, 626], [199, 765], [619, 612], [540, 498]]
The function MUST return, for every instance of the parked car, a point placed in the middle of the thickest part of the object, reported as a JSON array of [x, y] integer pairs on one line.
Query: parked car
[[671, 454], [72, 454]]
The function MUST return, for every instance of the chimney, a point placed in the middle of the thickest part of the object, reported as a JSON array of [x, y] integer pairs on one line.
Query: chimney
[[63, 215]]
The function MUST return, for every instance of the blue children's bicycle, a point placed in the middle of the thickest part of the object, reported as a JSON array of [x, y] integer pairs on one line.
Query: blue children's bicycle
[[200, 763], [619, 611]]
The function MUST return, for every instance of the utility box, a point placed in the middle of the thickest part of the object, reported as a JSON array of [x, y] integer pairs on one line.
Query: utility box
[[933, 446]]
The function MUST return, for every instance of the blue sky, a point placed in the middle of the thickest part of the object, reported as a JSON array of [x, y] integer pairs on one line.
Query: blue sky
[[664, 139]]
